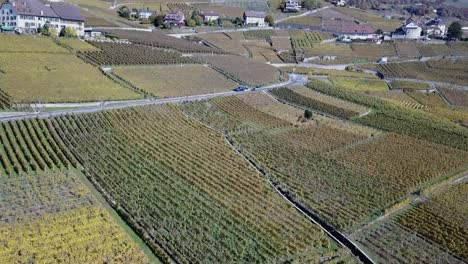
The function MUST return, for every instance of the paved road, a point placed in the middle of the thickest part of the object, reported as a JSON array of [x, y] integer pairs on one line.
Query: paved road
[[294, 79]]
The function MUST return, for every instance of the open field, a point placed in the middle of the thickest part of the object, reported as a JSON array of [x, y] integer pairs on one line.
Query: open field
[[54, 78], [53, 217], [172, 81], [160, 40], [409, 85], [390, 117], [451, 71], [304, 97], [132, 54], [225, 42], [14, 43], [169, 173], [375, 20], [253, 5], [312, 72], [269, 105], [359, 84], [281, 43], [308, 21], [233, 114], [454, 96], [243, 69], [76, 44]]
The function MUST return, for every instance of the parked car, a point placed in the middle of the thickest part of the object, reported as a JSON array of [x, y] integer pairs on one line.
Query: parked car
[[241, 89]]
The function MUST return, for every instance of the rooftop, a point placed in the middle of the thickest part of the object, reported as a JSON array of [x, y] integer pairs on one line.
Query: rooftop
[[254, 14], [56, 10]]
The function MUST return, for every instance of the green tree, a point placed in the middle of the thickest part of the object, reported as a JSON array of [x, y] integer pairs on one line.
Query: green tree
[[311, 4], [198, 20], [308, 114], [191, 22], [454, 31], [158, 21], [68, 32], [124, 12], [270, 20]]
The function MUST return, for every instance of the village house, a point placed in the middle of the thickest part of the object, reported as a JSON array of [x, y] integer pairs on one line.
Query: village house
[[144, 13], [210, 16], [435, 27], [412, 29], [339, 3], [176, 19], [252, 18], [351, 31], [30, 15], [291, 6]]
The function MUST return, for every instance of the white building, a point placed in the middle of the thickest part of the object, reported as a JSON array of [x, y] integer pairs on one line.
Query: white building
[[252, 18], [210, 16], [291, 6], [144, 14], [435, 27], [412, 29], [339, 2], [30, 15]]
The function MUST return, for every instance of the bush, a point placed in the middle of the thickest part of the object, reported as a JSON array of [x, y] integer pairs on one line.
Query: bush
[[308, 114]]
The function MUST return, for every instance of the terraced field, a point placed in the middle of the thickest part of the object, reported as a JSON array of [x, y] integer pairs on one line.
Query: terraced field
[[53, 217], [167, 176]]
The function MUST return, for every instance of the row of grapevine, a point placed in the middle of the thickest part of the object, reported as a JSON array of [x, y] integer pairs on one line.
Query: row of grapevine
[[231, 114], [131, 54], [184, 190], [6, 101], [52, 217], [29, 145], [390, 117], [322, 105], [161, 40]]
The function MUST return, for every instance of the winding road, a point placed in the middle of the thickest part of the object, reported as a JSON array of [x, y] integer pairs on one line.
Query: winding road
[[294, 79]]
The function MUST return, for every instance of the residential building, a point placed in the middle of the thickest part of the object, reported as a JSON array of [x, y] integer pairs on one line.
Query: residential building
[[339, 2], [352, 31], [144, 13], [291, 6], [435, 27], [30, 15], [210, 16], [252, 18], [412, 29], [177, 19]]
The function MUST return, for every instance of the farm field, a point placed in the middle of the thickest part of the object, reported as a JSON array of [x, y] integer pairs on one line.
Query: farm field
[[53, 217], [307, 21], [450, 71], [359, 84], [269, 105], [305, 97], [409, 85], [375, 20], [304, 39], [397, 97], [322, 147], [76, 44], [454, 96], [253, 5], [20, 44], [160, 40], [416, 234], [281, 43], [174, 81], [243, 69], [390, 117], [169, 173], [53, 78], [232, 114], [131, 54], [225, 42]]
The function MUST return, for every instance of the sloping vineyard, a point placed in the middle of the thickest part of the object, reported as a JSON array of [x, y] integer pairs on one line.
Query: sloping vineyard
[[317, 101], [347, 178], [29, 145], [164, 41], [442, 219], [6, 101], [52, 217], [231, 114], [389, 117], [185, 191], [130, 54]]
